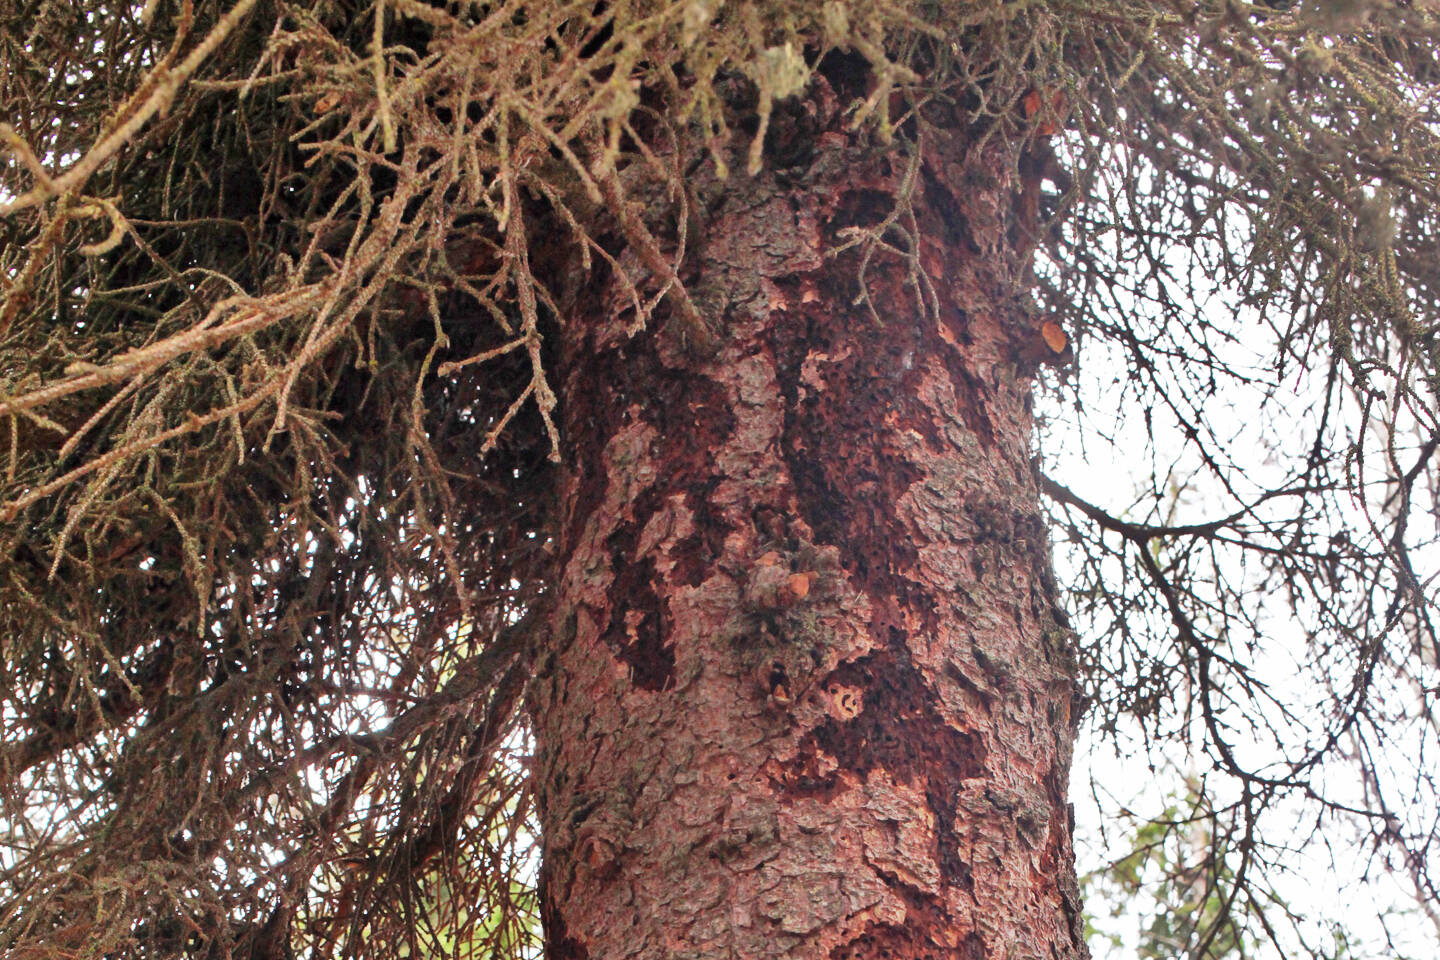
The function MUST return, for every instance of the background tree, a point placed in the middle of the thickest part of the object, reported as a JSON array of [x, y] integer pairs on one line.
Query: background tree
[[357, 360]]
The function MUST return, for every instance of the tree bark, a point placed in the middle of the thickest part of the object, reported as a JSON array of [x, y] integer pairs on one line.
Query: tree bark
[[807, 693]]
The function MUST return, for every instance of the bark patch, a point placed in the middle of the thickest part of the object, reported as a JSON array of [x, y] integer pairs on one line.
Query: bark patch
[[559, 945], [914, 939], [637, 625], [695, 556], [898, 730]]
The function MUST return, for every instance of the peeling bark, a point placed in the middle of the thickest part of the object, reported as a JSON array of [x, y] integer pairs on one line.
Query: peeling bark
[[807, 695]]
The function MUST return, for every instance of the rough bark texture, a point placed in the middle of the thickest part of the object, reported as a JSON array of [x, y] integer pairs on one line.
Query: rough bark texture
[[806, 695]]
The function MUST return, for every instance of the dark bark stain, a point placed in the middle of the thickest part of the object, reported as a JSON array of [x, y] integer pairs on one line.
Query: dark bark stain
[[693, 417], [913, 940], [900, 731], [636, 630], [862, 208], [970, 396], [640, 641], [692, 410], [945, 216], [847, 72], [559, 945], [587, 431], [846, 481], [691, 413], [887, 942], [695, 555]]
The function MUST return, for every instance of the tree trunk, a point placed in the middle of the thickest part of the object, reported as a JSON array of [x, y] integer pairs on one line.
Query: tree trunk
[[807, 695]]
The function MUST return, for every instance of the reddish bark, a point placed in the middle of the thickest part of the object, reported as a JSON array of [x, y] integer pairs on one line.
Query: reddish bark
[[806, 695]]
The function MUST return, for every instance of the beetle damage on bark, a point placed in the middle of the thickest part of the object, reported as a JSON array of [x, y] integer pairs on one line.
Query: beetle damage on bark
[[804, 696]]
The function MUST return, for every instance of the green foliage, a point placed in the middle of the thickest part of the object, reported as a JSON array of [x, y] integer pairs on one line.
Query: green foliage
[[1177, 882]]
